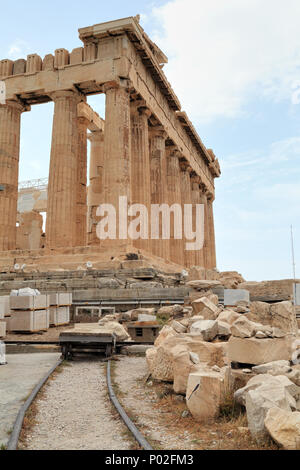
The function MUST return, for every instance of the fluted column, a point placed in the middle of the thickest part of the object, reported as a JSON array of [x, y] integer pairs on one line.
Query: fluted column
[[196, 198], [159, 195], [140, 166], [117, 155], [81, 204], [213, 261], [174, 197], [206, 247], [61, 230], [186, 198], [95, 190], [10, 119]]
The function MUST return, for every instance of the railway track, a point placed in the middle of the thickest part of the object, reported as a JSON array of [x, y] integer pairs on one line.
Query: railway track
[[15, 434]]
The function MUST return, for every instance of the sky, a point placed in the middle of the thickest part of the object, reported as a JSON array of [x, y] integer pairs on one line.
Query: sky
[[235, 67]]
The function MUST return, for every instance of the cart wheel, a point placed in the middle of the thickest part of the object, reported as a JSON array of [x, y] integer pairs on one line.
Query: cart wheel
[[64, 353]]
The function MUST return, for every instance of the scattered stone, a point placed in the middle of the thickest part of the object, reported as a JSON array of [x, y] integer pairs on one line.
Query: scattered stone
[[260, 335], [241, 309], [150, 358], [223, 329], [170, 360], [170, 311], [279, 315], [259, 402], [117, 329], [228, 316], [284, 427], [282, 367], [165, 332], [284, 317], [185, 414], [266, 382], [178, 327], [278, 333], [185, 322], [182, 366], [257, 351], [230, 279], [203, 394], [294, 375], [194, 319], [141, 311], [244, 328], [208, 329], [206, 308], [247, 371], [203, 284]]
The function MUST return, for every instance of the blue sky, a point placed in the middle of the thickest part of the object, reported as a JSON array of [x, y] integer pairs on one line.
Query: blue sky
[[235, 67]]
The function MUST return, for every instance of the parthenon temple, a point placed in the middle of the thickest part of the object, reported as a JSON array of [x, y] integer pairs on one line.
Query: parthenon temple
[[146, 148]]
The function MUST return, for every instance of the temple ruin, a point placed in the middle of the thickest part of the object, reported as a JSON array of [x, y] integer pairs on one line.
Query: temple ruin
[[146, 148]]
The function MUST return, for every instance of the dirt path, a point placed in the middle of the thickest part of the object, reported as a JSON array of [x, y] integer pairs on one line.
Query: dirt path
[[141, 403], [74, 412]]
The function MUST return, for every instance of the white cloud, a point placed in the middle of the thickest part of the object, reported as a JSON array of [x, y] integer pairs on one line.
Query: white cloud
[[18, 50], [223, 51]]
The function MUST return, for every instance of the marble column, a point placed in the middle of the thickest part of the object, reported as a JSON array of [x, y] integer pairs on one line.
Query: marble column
[[159, 194], [81, 205], [140, 167], [206, 247], [196, 198], [186, 198], [61, 227], [213, 260], [117, 157], [95, 190], [10, 121], [174, 197]]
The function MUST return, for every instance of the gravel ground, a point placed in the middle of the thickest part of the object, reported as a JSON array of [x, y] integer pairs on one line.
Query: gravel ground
[[129, 375], [75, 413]]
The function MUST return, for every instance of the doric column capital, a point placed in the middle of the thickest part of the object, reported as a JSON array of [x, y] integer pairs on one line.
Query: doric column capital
[[173, 151], [96, 136], [116, 84], [196, 179], [158, 131], [59, 95], [185, 166], [139, 106], [210, 197], [17, 105]]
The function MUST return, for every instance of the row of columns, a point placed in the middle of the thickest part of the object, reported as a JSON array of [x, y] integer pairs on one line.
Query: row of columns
[[131, 159]]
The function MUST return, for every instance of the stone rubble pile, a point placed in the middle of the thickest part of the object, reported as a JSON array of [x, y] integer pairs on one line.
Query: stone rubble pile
[[208, 351]]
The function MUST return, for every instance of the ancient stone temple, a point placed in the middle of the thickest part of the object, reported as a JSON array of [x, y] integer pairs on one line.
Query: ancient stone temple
[[145, 149]]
